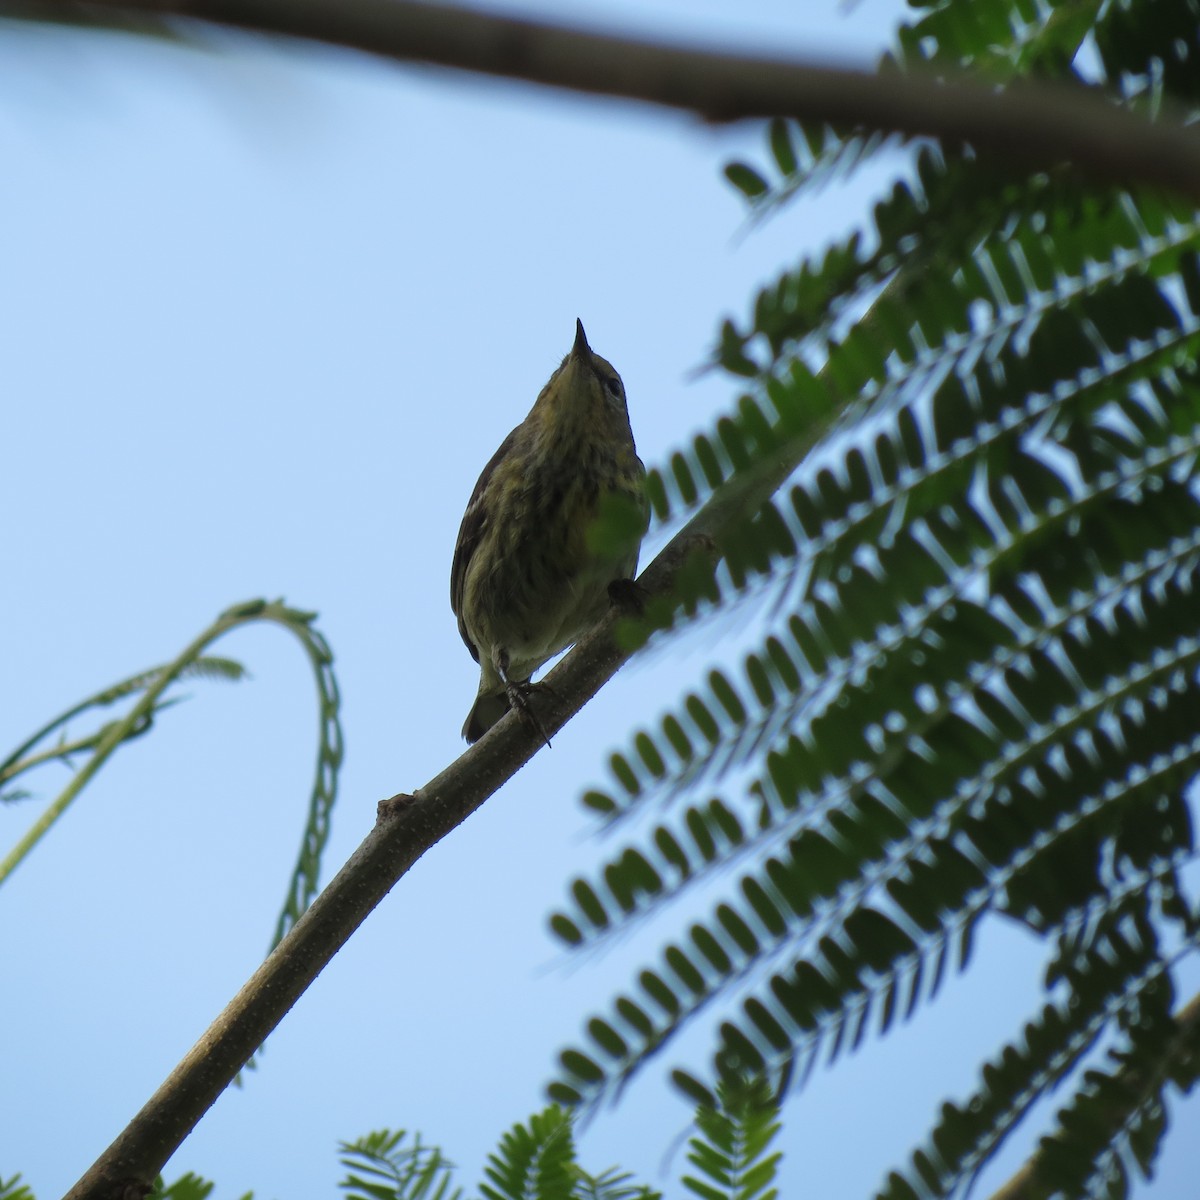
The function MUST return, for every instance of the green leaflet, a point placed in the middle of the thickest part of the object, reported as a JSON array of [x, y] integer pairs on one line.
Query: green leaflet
[[969, 677]]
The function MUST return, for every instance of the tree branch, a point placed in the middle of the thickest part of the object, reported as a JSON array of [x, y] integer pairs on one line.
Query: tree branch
[[406, 827], [1036, 124], [1029, 1182]]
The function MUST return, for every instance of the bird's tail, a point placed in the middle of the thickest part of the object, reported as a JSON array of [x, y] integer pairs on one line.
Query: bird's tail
[[488, 708]]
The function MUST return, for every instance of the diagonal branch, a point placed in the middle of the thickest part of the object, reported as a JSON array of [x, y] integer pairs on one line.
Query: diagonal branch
[[406, 827], [1037, 124], [1032, 1183]]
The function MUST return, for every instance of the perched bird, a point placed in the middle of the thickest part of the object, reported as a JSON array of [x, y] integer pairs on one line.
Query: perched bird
[[527, 580]]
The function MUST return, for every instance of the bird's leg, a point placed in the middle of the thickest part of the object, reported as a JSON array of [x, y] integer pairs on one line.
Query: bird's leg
[[518, 693]]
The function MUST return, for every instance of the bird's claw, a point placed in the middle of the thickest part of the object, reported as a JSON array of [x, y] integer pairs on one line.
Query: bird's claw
[[518, 699]]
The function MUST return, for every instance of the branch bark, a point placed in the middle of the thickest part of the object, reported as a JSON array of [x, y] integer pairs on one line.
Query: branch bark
[[406, 827], [1035, 124]]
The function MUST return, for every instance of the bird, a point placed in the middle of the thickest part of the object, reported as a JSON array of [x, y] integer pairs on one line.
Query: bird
[[527, 580]]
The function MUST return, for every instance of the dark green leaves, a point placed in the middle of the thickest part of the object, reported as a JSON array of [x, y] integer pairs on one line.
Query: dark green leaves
[[388, 1165], [747, 180], [730, 1150], [967, 685]]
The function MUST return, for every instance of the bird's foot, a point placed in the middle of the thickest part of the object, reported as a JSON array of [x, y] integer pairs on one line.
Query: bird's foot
[[518, 699]]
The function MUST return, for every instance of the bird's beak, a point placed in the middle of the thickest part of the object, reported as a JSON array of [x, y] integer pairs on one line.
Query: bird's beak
[[581, 349]]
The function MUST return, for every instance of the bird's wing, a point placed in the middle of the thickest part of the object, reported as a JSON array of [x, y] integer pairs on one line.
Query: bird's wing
[[470, 532]]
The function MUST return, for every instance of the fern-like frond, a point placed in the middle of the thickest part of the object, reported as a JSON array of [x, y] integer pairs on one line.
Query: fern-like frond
[[1004, 39], [969, 670], [1011, 723], [731, 1150], [305, 881], [1115, 1124], [920, 828], [534, 1161], [149, 690], [613, 1184], [27, 755], [1123, 979], [187, 1187], [997, 337], [14, 1189], [1149, 52], [859, 594], [388, 1165]]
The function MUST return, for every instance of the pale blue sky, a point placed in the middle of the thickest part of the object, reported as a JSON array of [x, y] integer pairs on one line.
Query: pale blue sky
[[265, 312]]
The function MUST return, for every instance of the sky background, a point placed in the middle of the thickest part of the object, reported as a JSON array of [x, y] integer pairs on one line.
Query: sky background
[[265, 312]]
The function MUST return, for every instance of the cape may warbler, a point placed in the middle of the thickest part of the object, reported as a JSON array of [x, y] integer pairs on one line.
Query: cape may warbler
[[527, 578]]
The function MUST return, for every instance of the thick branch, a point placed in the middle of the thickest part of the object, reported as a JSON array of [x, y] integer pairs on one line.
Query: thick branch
[[1034, 124]]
